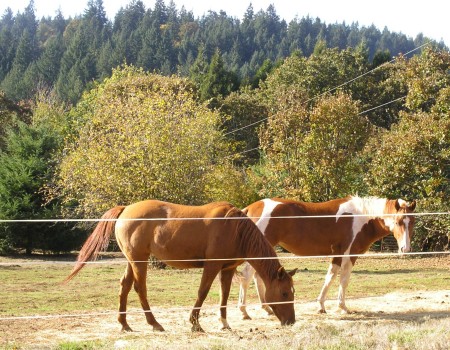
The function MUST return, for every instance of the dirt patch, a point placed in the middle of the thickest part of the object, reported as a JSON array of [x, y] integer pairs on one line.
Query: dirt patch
[[390, 309]]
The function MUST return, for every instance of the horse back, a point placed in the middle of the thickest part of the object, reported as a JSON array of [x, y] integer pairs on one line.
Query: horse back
[[176, 232], [303, 228]]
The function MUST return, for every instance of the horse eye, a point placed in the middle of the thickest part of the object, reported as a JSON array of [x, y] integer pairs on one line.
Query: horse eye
[[285, 294]]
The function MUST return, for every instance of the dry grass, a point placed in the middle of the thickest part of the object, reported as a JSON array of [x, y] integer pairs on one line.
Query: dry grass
[[401, 303]]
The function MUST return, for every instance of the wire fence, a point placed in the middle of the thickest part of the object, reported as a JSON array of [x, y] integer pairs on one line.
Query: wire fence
[[188, 308], [205, 307]]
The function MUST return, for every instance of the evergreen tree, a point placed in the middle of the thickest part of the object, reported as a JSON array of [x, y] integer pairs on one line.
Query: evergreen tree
[[7, 48], [126, 38], [49, 63], [14, 83], [213, 79], [199, 68], [77, 67], [24, 168]]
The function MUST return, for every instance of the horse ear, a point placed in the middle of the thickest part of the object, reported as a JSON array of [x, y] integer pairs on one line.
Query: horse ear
[[281, 273], [292, 272], [397, 205], [412, 206]]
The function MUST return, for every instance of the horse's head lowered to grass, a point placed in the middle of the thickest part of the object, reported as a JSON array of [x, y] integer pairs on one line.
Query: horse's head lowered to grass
[[280, 296]]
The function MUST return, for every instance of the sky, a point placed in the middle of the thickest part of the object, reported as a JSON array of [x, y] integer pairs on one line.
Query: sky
[[430, 17]]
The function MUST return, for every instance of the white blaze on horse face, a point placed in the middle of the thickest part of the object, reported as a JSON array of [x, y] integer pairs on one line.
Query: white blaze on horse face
[[263, 221], [406, 242], [404, 245]]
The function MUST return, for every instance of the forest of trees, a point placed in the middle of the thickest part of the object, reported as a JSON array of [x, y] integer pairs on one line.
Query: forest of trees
[[68, 54], [159, 104]]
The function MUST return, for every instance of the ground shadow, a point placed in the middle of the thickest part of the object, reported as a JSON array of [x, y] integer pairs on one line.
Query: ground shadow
[[416, 316]]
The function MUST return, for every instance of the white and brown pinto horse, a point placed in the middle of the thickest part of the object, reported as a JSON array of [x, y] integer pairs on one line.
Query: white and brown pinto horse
[[348, 226], [216, 237]]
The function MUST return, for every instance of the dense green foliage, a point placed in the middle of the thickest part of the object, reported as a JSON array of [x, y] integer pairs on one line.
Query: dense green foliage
[[25, 169], [249, 119], [143, 136], [68, 54]]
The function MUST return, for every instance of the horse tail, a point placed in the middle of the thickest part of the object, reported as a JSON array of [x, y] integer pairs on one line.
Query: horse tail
[[98, 241]]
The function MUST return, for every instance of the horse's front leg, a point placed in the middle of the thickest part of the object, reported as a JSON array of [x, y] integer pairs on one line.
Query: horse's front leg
[[346, 269], [331, 275], [226, 276], [210, 271], [244, 281]]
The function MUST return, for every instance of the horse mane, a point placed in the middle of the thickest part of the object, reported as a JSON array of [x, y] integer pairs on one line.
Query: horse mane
[[252, 242], [371, 206]]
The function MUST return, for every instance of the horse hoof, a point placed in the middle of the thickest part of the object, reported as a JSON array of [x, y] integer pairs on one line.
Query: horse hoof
[[158, 328], [246, 317], [268, 310], [321, 311], [126, 328], [347, 312], [226, 328], [197, 328]]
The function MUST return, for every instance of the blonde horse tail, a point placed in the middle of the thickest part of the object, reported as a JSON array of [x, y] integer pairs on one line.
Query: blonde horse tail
[[98, 241]]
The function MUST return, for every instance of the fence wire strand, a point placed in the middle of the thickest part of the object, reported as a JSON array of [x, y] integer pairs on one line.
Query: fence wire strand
[[206, 307]]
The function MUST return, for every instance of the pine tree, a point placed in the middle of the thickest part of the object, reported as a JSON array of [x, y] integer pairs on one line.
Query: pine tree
[[14, 83], [49, 63], [7, 47], [77, 67], [23, 170], [217, 81]]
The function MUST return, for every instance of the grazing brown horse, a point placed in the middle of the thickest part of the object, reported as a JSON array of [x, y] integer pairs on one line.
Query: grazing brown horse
[[348, 226], [216, 237]]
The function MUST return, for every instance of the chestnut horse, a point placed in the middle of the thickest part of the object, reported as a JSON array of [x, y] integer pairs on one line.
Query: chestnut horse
[[216, 237], [337, 233]]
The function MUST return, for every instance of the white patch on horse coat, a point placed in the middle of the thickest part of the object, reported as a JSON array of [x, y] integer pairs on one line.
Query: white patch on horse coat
[[369, 207], [263, 221], [402, 202]]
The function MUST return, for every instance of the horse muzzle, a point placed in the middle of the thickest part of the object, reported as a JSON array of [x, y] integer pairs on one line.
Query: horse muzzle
[[404, 249], [287, 318]]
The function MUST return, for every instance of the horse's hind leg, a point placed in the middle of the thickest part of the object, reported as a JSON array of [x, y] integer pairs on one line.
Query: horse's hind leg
[[125, 286], [226, 276], [140, 280], [210, 271], [261, 289], [244, 281]]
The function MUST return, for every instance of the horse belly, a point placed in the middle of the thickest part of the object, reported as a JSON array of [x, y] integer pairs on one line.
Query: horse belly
[[179, 249], [310, 239]]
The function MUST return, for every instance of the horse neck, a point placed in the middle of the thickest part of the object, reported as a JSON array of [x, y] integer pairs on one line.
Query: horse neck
[[266, 268], [380, 230], [253, 246]]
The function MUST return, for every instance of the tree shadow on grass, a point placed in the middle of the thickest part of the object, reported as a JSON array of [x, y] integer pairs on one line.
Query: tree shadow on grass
[[418, 316]]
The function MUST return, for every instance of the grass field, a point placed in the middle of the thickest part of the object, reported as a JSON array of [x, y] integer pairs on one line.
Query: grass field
[[377, 286]]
